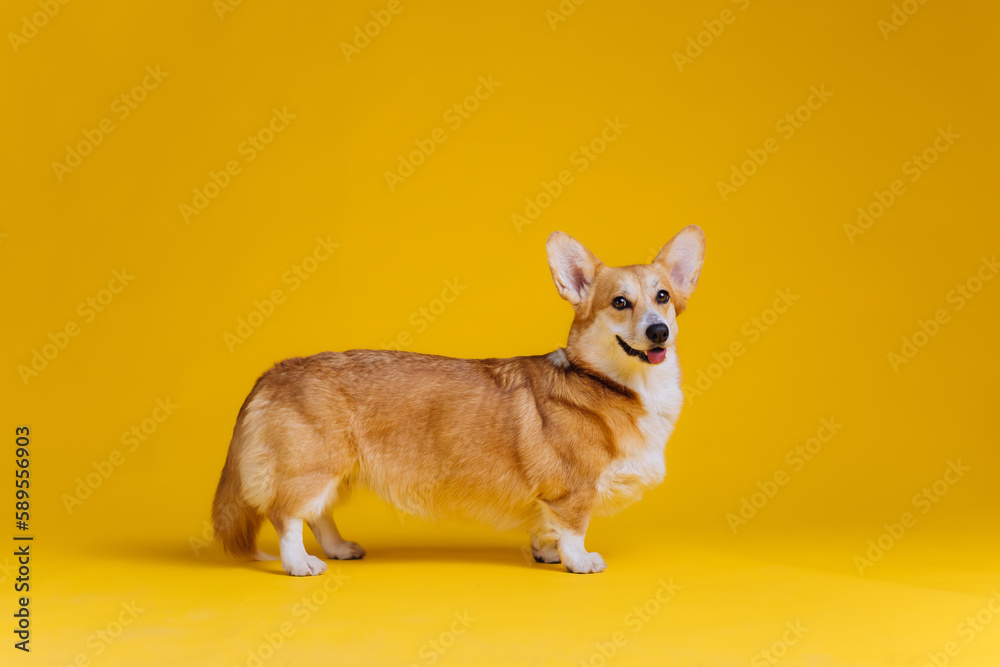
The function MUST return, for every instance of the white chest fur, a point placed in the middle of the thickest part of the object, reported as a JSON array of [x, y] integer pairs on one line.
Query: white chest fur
[[642, 463]]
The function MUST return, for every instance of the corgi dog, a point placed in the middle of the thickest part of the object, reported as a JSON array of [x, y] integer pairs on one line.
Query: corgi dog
[[541, 442]]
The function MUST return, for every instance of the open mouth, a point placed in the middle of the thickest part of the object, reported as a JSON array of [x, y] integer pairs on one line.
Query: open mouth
[[654, 355]]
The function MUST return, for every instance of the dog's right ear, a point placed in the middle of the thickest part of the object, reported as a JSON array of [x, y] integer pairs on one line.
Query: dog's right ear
[[573, 267]]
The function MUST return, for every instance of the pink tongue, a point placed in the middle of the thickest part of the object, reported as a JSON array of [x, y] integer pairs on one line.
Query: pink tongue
[[656, 356]]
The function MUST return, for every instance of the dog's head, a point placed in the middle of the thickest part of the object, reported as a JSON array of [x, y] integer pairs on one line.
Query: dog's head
[[626, 317]]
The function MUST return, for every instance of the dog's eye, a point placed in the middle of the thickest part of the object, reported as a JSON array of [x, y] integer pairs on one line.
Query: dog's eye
[[662, 296], [620, 303]]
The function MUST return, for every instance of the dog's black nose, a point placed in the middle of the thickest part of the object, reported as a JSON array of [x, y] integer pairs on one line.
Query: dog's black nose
[[658, 333]]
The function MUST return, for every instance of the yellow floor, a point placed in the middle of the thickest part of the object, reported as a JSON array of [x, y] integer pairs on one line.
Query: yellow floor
[[665, 599]]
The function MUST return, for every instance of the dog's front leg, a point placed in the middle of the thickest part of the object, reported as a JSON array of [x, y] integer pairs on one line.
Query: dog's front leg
[[568, 517]]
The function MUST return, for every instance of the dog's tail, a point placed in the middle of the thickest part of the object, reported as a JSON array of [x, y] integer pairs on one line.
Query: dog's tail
[[236, 522]]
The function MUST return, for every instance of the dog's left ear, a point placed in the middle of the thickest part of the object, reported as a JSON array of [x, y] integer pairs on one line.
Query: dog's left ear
[[682, 257], [573, 266]]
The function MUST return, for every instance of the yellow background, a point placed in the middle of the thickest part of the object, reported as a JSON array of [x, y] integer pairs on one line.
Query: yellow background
[[137, 537]]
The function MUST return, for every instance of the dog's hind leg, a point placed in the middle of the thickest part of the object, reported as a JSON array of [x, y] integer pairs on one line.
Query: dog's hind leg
[[543, 548], [294, 559], [323, 527], [334, 546], [543, 541]]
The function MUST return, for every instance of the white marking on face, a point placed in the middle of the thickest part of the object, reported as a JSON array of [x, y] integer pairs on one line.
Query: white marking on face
[[645, 312], [649, 319]]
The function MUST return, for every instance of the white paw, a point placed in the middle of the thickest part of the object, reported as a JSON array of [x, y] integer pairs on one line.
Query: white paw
[[545, 554], [346, 551], [305, 567], [586, 563]]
